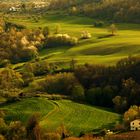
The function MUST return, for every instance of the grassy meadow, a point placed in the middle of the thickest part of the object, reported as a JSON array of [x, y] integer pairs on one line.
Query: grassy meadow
[[97, 50], [75, 117]]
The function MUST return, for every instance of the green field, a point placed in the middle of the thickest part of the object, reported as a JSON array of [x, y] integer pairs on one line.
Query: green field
[[98, 49], [76, 117]]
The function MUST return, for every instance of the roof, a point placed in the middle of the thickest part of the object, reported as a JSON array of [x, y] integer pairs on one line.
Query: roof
[[136, 120]]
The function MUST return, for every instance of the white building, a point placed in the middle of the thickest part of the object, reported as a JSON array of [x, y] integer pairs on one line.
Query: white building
[[135, 125], [14, 9]]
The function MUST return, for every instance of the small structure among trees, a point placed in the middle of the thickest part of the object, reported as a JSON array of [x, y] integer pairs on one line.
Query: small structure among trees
[[14, 9]]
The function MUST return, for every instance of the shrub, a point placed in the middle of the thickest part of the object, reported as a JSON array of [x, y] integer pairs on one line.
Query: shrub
[[16, 131], [54, 97], [46, 31], [10, 79], [85, 35], [57, 29], [61, 39], [33, 128], [3, 126], [2, 114], [37, 86], [108, 93], [93, 95], [60, 83], [119, 127], [98, 23], [78, 92], [113, 29], [28, 77], [4, 62], [28, 53], [37, 68], [13, 99]]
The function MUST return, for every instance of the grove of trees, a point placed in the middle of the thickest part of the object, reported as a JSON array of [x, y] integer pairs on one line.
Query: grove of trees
[[19, 44]]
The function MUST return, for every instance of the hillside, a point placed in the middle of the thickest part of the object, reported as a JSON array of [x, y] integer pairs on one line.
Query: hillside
[[112, 10], [76, 117], [97, 50]]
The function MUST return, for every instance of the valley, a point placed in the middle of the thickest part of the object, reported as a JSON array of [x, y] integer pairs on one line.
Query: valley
[[69, 69]]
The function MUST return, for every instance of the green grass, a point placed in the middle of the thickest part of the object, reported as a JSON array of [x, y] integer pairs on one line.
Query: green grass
[[98, 51], [76, 117], [27, 107], [2, 99]]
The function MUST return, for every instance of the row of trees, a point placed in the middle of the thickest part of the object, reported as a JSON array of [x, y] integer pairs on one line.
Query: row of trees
[[112, 10], [120, 10]]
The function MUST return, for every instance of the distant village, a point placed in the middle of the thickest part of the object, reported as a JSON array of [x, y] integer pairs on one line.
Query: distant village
[[34, 5]]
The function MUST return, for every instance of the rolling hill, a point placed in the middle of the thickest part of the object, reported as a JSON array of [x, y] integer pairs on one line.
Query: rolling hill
[[103, 49], [97, 50], [75, 117]]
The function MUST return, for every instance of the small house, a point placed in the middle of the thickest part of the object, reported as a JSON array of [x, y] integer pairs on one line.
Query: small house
[[14, 9], [135, 125]]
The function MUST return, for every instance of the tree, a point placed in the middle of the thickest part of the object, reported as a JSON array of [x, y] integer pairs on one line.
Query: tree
[[16, 131], [27, 77], [33, 128], [57, 29], [3, 126], [46, 31], [132, 113], [64, 133], [10, 79], [113, 29], [94, 95], [72, 64], [120, 103], [61, 83], [78, 92], [23, 6], [108, 93], [73, 10], [131, 90]]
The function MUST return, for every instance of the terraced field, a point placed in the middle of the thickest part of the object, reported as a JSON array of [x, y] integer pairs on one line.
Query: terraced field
[[98, 50], [76, 117]]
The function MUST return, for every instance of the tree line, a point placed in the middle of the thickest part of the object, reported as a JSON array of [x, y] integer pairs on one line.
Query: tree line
[[112, 10]]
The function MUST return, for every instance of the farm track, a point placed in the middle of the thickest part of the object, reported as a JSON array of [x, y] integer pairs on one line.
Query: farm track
[[55, 110]]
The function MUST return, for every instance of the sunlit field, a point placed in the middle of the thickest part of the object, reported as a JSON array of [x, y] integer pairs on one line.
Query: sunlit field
[[99, 49]]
